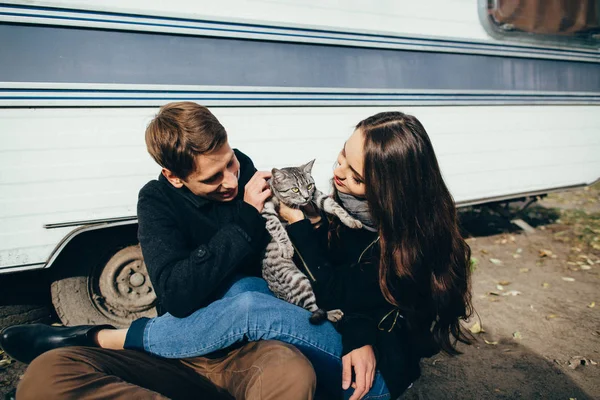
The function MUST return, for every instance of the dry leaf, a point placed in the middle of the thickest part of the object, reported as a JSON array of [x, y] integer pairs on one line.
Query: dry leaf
[[484, 251], [476, 328], [523, 270], [515, 256], [519, 250], [545, 253], [579, 361], [504, 283], [499, 287], [493, 294], [550, 316], [496, 261], [585, 267], [491, 343], [517, 335], [511, 293], [592, 304], [5, 363], [545, 285], [568, 279]]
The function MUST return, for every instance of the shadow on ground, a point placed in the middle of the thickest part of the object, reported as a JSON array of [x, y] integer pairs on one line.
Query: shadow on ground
[[511, 372], [480, 221]]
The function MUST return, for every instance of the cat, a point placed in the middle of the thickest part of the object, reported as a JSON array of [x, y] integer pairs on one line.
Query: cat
[[295, 187]]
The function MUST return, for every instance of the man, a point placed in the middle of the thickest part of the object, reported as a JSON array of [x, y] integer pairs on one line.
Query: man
[[199, 228]]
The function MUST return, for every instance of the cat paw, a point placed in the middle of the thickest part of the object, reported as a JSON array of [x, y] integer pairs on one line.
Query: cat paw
[[335, 315], [287, 250], [353, 223]]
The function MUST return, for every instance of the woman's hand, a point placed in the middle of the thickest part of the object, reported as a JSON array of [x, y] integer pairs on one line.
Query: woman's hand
[[290, 214], [363, 362]]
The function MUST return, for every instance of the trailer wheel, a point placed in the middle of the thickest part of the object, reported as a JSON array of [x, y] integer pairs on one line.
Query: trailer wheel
[[114, 292]]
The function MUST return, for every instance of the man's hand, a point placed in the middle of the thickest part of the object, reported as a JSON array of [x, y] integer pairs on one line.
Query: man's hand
[[364, 364], [257, 190]]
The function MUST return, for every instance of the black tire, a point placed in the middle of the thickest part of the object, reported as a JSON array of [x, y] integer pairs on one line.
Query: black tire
[[101, 286]]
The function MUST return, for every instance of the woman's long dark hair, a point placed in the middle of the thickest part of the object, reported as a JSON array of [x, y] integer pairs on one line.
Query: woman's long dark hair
[[425, 262]]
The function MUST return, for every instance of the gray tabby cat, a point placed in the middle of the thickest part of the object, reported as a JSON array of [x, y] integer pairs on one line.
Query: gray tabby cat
[[295, 187]]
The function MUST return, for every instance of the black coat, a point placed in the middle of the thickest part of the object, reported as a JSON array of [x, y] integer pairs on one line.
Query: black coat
[[347, 277], [191, 245]]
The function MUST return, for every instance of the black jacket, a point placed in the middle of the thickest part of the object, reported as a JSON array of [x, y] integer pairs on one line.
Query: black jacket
[[347, 277], [192, 245]]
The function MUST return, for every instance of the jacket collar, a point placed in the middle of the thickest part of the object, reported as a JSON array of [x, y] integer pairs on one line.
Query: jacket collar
[[197, 201]]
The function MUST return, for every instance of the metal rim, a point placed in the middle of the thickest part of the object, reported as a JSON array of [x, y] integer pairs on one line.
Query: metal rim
[[121, 289]]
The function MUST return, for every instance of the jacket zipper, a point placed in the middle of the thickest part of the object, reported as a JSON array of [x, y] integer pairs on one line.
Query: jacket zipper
[[312, 277], [304, 263], [367, 248]]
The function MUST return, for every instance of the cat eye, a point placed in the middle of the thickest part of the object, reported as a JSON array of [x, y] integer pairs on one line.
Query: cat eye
[[295, 190], [309, 187]]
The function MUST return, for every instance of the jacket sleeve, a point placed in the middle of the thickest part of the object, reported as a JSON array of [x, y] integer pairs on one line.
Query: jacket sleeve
[[184, 279], [352, 288]]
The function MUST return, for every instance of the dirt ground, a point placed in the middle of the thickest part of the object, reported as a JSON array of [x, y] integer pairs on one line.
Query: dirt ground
[[537, 297]]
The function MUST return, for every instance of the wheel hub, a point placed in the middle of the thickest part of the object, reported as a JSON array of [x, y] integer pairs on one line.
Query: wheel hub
[[125, 287]]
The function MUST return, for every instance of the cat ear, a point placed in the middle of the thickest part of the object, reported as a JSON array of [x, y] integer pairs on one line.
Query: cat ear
[[277, 174], [307, 168]]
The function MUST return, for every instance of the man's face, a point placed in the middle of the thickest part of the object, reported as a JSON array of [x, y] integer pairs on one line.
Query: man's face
[[215, 177]]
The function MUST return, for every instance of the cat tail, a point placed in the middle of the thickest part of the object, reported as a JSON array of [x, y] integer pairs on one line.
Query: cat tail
[[318, 317]]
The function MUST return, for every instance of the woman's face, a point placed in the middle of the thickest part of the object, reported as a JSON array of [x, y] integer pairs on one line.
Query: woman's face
[[348, 174]]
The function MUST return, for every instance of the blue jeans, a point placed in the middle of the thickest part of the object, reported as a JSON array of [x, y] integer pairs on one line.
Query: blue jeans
[[247, 310]]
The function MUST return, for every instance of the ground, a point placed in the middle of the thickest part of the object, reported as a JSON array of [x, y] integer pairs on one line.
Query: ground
[[536, 297]]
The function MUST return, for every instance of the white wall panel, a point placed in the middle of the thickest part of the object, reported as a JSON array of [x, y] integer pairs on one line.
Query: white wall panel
[[65, 165], [452, 18]]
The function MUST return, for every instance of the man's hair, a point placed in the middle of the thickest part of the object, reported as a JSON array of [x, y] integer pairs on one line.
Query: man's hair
[[181, 131]]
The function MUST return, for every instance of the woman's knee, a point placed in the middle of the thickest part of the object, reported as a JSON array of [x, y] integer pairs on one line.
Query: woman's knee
[[247, 302], [248, 284]]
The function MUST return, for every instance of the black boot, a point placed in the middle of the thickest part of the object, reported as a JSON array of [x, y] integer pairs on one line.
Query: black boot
[[26, 342]]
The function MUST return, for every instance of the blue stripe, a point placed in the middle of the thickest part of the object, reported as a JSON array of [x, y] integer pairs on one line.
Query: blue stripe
[[359, 37], [76, 55], [312, 93]]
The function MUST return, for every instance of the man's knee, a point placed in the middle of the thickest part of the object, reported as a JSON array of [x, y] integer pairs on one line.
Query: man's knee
[[286, 370], [47, 376]]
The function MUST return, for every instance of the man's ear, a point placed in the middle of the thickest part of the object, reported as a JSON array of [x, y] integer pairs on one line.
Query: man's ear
[[173, 180]]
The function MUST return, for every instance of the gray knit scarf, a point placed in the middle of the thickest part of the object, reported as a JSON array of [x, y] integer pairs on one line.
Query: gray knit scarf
[[359, 209]]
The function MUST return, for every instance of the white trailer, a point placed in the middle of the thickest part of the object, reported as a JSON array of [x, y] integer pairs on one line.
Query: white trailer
[[510, 113]]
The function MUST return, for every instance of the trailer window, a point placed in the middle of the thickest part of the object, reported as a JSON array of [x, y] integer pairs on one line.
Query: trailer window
[[563, 22]]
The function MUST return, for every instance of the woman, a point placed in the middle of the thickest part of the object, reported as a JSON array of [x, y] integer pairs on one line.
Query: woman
[[403, 282]]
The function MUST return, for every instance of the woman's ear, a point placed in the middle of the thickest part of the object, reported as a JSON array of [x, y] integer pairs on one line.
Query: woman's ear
[[173, 180]]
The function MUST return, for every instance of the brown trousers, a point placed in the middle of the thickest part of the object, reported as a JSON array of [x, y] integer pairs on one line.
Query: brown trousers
[[258, 370]]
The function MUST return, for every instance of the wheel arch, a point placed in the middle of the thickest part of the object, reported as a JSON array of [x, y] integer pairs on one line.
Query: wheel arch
[[97, 234]]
